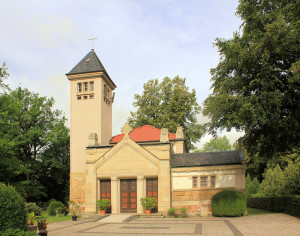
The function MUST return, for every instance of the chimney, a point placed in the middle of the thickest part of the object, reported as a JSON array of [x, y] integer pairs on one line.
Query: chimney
[[164, 135], [93, 140], [179, 133]]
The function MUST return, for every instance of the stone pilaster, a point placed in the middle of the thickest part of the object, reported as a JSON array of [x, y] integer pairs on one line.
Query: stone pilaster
[[140, 192], [114, 195]]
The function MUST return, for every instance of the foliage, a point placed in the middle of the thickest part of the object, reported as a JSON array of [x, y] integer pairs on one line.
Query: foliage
[[42, 225], [74, 208], [16, 232], [12, 205], [183, 212], [103, 204], [273, 183], [34, 145], [256, 85], [148, 202], [53, 206], [31, 218], [277, 182], [229, 203], [252, 186], [32, 207], [168, 104], [216, 145], [286, 204], [292, 178], [3, 76], [172, 212], [60, 211]]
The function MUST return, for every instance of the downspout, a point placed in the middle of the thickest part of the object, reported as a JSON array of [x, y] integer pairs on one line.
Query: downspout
[[171, 187]]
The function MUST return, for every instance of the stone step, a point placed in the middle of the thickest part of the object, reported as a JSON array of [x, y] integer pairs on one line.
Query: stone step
[[154, 215]]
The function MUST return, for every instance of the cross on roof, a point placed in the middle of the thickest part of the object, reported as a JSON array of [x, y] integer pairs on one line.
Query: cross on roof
[[126, 129], [93, 42]]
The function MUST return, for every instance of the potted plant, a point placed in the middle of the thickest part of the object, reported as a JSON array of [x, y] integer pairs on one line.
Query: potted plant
[[30, 222], [42, 226], [102, 205], [74, 210], [148, 203]]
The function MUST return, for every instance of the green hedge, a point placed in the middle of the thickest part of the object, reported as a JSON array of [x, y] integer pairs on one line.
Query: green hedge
[[53, 206], [12, 209], [286, 204], [16, 232], [229, 203]]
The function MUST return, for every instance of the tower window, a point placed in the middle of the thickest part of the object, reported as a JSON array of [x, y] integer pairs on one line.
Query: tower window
[[85, 86], [85, 97], [79, 87], [91, 96], [78, 98], [105, 90], [92, 86]]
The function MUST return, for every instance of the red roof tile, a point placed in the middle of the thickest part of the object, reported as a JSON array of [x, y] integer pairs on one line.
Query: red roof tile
[[144, 133]]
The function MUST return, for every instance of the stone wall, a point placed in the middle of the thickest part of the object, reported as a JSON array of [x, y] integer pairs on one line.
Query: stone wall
[[77, 188]]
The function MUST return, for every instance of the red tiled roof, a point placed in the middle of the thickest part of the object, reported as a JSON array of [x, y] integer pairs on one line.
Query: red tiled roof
[[144, 133]]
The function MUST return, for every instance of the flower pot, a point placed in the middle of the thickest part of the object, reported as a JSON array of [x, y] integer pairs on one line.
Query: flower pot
[[31, 228], [148, 211], [102, 212], [74, 218], [43, 234]]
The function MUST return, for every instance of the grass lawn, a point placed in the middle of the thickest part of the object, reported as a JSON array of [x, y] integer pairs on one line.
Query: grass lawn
[[254, 211], [51, 219]]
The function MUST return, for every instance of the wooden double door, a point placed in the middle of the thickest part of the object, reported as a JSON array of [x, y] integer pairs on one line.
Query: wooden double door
[[128, 196]]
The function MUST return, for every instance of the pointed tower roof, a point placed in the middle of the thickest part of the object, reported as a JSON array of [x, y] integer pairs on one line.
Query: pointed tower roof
[[90, 63]]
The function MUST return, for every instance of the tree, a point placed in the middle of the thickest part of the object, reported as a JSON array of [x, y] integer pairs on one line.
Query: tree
[[256, 85], [273, 183], [168, 104], [252, 186], [34, 144], [3, 75], [217, 145]]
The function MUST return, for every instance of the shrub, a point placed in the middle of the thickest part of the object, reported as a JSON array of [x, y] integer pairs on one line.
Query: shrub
[[172, 212], [148, 202], [229, 203], [60, 211], [53, 206], [12, 205], [17, 232], [183, 212], [32, 207], [286, 204], [103, 204]]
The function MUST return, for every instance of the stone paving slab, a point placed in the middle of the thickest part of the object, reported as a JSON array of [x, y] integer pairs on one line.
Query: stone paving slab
[[272, 224], [115, 218]]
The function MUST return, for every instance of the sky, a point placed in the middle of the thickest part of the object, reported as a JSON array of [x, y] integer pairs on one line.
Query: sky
[[138, 40]]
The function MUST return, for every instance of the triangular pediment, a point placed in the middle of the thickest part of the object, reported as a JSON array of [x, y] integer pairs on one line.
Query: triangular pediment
[[127, 156]]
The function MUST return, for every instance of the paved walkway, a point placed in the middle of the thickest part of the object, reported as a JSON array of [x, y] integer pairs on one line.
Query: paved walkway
[[116, 218], [272, 224]]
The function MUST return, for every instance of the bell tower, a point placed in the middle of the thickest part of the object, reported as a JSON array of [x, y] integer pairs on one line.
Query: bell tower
[[91, 112]]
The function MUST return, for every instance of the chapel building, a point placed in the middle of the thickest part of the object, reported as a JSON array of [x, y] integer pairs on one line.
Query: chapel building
[[140, 162]]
